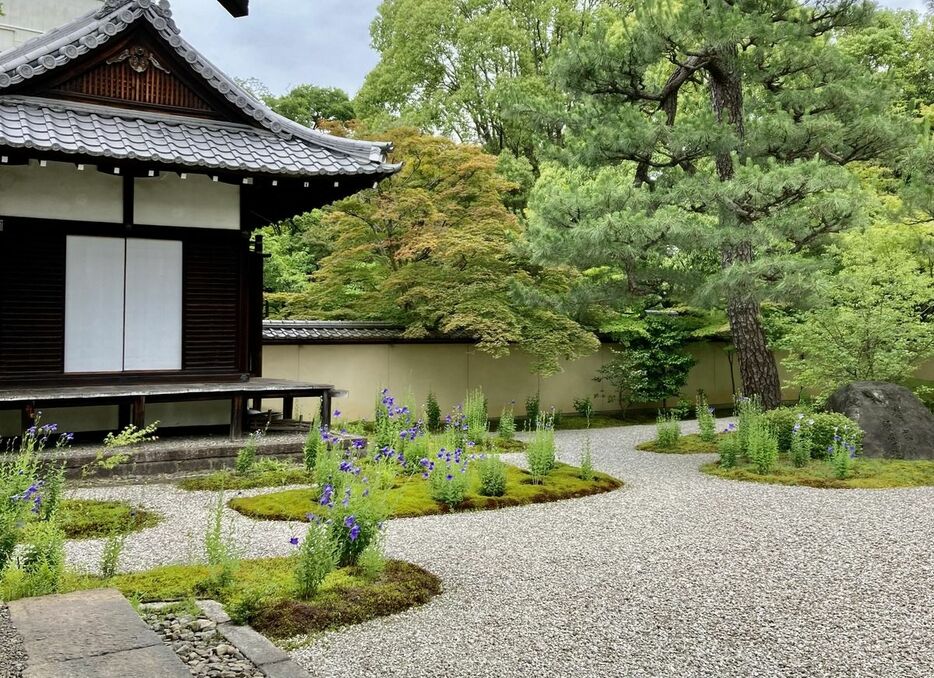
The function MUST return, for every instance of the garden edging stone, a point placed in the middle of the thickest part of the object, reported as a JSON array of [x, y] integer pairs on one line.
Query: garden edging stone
[[271, 660]]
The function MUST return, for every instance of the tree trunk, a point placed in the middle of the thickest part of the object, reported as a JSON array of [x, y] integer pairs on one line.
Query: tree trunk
[[757, 367]]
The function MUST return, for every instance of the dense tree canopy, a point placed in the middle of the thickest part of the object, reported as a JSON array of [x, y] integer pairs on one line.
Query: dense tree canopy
[[463, 67], [710, 142], [432, 249]]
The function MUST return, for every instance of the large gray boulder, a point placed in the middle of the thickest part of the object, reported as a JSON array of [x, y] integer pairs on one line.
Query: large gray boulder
[[895, 423]]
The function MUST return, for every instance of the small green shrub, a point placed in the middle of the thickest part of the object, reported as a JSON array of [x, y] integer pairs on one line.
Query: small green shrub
[[800, 446], [667, 430], [372, 562], [355, 517], [219, 552], [316, 559], [507, 424], [843, 450], [540, 453], [246, 458], [432, 413], [821, 428], [245, 606], [533, 407], [475, 411], [762, 446], [311, 446], [110, 556], [449, 484], [492, 473], [584, 407], [586, 463], [706, 420], [748, 414], [730, 450]]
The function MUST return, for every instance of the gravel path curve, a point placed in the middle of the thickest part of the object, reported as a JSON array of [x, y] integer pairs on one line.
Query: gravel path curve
[[676, 574]]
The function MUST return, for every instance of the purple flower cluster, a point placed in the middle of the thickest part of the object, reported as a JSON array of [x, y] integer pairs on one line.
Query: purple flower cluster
[[31, 494]]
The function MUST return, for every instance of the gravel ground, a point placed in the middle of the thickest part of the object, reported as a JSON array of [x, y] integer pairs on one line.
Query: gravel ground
[[676, 574], [12, 653]]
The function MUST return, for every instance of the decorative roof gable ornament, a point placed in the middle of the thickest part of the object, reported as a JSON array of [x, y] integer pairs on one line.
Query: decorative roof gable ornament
[[139, 58]]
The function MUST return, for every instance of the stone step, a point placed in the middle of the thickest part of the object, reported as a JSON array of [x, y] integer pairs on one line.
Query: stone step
[[90, 634]]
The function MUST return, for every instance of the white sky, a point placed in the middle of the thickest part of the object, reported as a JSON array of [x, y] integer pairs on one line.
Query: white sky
[[290, 42]]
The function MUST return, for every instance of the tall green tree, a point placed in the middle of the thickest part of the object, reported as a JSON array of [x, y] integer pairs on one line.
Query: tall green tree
[[434, 248], [707, 153], [462, 67], [310, 104]]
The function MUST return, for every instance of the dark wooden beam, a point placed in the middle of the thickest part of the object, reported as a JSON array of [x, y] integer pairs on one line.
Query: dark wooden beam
[[237, 7]]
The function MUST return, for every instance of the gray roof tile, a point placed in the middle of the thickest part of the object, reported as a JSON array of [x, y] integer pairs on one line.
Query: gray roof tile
[[280, 146], [344, 331]]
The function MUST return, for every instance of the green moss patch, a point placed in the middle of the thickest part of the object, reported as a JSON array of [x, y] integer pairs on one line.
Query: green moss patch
[[411, 496], [92, 519], [865, 474], [347, 596], [229, 480], [401, 586], [687, 444], [572, 422]]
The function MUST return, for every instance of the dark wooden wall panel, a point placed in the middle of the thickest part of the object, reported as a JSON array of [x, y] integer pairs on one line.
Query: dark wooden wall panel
[[32, 303], [212, 313]]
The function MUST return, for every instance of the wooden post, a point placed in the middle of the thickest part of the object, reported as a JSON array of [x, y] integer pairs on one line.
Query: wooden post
[[28, 416], [326, 409], [124, 415], [139, 412], [237, 416], [258, 404], [288, 407]]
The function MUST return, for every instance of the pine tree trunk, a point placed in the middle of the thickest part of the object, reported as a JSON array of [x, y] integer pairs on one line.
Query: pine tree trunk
[[757, 367]]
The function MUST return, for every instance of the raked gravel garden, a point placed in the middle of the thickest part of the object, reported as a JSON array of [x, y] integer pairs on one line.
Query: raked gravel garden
[[675, 574]]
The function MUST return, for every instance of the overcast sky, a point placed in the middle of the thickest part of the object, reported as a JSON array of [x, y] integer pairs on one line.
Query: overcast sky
[[290, 42]]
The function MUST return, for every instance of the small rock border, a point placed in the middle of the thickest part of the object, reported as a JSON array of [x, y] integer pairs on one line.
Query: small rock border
[[197, 642], [12, 651]]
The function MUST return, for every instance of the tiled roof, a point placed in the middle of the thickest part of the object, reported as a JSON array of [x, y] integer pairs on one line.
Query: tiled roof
[[61, 46], [66, 127], [341, 332]]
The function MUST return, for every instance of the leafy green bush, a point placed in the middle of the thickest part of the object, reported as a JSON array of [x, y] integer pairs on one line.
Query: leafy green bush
[[533, 407], [706, 420], [110, 556], [247, 455], [821, 427], [315, 560], [800, 446], [219, 551], [475, 412], [731, 450], [355, 519], [492, 473], [448, 482], [540, 453], [667, 430], [310, 448], [507, 424], [584, 407], [433, 413], [761, 446], [586, 463]]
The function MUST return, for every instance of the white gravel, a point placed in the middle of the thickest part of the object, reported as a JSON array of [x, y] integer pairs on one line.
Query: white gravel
[[677, 574]]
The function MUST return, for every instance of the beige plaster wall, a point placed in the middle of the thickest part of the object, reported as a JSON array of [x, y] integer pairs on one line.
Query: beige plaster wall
[[196, 202], [60, 191], [23, 20], [450, 370]]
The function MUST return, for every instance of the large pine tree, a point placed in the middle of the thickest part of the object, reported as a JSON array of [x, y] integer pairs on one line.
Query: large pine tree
[[714, 136]]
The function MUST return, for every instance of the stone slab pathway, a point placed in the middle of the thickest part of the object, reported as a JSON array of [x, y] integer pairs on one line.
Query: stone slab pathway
[[90, 634]]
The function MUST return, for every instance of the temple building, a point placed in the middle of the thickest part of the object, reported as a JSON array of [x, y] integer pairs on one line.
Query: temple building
[[132, 174]]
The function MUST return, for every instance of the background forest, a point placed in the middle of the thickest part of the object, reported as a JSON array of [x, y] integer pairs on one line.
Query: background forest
[[650, 172]]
